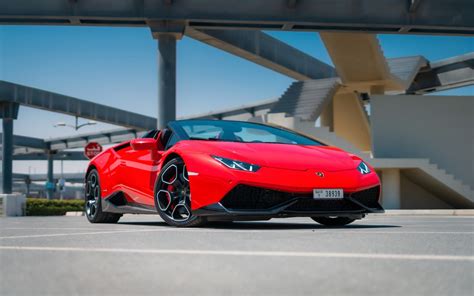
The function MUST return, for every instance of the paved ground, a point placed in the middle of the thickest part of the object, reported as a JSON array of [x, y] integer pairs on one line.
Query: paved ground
[[376, 256]]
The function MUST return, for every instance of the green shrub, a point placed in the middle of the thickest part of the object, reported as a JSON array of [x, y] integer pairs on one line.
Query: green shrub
[[55, 207]]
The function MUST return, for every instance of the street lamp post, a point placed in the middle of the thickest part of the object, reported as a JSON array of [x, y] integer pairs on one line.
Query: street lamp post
[[76, 126]]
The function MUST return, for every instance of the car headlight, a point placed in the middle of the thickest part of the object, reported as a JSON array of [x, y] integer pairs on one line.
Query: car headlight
[[237, 165], [363, 168]]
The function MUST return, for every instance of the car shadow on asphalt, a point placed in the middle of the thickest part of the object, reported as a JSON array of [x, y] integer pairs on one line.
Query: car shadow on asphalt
[[265, 225], [287, 226]]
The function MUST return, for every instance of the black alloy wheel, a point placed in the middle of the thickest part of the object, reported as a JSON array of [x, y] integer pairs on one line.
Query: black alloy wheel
[[93, 201]]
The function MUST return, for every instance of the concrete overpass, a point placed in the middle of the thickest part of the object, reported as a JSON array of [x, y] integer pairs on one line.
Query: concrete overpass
[[382, 16]]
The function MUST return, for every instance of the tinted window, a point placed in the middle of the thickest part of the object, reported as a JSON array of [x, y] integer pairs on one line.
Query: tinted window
[[172, 141], [150, 134], [236, 131]]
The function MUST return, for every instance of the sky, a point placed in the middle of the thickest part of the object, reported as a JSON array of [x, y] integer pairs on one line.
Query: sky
[[118, 67]]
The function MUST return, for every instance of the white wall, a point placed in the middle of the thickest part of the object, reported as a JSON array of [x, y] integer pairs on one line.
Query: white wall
[[440, 128]]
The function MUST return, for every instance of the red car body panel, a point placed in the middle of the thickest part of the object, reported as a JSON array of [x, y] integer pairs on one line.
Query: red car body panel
[[284, 167]]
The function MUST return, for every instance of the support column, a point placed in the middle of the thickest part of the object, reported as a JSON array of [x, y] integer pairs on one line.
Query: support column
[[50, 182], [166, 80], [27, 185], [8, 112], [7, 155], [166, 32], [391, 198], [327, 116], [350, 120]]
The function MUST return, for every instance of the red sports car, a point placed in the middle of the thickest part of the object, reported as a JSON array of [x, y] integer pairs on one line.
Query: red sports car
[[196, 171]]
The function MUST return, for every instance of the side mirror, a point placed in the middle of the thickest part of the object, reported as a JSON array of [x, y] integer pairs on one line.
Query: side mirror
[[144, 144]]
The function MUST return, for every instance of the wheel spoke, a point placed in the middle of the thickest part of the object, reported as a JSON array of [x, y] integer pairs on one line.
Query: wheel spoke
[[88, 187], [185, 174], [170, 175], [181, 212], [91, 207], [96, 193], [93, 180], [164, 199]]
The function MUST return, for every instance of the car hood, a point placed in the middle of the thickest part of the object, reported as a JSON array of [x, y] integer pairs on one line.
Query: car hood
[[282, 156]]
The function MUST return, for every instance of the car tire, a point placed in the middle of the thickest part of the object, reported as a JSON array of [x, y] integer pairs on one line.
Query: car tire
[[333, 221], [173, 196], [93, 201]]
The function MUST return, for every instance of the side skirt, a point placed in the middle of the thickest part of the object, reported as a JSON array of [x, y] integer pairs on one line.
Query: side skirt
[[117, 203]]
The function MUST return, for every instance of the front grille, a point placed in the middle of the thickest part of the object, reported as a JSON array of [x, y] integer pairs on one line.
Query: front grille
[[368, 197], [244, 197]]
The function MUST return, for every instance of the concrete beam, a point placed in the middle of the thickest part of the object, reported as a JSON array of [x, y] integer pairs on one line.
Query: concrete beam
[[240, 110], [50, 101], [444, 74], [169, 28], [360, 62], [103, 138], [22, 141], [382, 16], [65, 155], [266, 51], [69, 177]]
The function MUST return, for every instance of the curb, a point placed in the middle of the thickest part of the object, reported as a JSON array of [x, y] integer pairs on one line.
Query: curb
[[460, 212], [74, 214]]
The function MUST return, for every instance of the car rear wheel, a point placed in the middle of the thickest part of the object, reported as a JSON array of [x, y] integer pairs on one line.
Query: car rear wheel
[[333, 221], [93, 201], [173, 196]]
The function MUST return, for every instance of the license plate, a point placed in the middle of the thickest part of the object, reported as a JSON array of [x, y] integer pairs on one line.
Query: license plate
[[328, 194]]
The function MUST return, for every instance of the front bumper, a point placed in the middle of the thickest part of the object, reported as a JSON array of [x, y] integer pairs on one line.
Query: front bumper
[[211, 181], [247, 202]]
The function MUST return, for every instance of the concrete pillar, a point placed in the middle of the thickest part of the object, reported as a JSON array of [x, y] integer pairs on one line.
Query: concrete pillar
[[8, 113], [27, 185], [7, 155], [391, 198], [327, 116], [166, 32], [166, 79], [350, 120], [50, 182]]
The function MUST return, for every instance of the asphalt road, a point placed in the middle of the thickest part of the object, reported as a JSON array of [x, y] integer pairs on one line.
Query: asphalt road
[[377, 256]]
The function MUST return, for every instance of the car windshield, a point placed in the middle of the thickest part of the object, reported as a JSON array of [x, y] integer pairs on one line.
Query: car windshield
[[237, 131]]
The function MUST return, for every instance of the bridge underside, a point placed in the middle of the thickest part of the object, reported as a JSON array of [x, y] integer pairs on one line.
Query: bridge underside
[[382, 16]]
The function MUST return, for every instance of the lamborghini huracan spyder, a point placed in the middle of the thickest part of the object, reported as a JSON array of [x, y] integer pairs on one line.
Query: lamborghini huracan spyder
[[196, 171]]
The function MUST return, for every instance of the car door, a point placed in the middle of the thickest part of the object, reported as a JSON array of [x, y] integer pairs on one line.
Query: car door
[[140, 168]]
